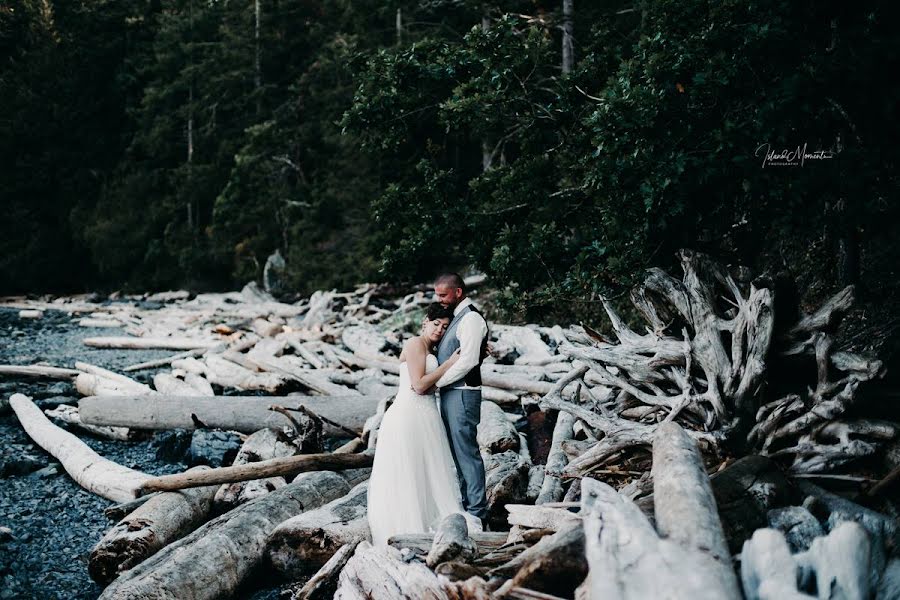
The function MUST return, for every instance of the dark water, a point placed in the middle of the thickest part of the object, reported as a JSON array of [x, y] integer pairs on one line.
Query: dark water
[[55, 522]]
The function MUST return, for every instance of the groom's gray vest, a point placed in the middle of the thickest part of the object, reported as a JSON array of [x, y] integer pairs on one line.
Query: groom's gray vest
[[449, 343]]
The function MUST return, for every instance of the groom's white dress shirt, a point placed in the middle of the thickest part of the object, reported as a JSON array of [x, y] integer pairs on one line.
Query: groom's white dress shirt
[[470, 332]]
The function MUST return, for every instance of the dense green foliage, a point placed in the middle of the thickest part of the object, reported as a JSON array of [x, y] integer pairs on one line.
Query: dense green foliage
[[360, 150]]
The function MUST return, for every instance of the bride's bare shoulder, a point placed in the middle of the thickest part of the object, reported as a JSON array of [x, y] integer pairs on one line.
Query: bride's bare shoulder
[[413, 346]]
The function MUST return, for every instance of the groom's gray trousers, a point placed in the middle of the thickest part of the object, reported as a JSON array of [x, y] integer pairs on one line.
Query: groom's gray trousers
[[461, 412]]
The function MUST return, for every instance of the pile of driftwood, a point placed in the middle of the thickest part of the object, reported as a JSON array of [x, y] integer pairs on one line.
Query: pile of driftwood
[[596, 449]]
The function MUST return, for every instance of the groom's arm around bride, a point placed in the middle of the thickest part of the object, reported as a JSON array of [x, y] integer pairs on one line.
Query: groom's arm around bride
[[460, 388]]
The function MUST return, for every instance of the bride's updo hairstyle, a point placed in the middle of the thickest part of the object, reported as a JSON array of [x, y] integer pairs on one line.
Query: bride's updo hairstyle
[[436, 311]]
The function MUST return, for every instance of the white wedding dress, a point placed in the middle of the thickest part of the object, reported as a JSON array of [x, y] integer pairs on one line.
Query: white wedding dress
[[413, 483]]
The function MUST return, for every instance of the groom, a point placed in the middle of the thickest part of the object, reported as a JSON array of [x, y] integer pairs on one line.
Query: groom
[[460, 388]]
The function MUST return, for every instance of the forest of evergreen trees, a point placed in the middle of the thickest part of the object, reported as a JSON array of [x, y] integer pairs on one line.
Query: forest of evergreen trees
[[560, 148]]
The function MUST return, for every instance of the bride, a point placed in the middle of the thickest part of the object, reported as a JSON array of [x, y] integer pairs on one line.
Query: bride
[[413, 483]]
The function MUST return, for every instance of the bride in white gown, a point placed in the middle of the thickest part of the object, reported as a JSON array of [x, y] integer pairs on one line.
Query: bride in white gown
[[413, 483]]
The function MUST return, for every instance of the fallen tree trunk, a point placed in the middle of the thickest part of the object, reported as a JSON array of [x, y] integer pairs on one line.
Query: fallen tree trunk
[[310, 539], [69, 415], [38, 371], [262, 445], [540, 517], [556, 563], [552, 488], [239, 413], [685, 508], [380, 573], [211, 562], [290, 465], [319, 584], [163, 362], [167, 384], [421, 543], [147, 343], [495, 432], [156, 523], [90, 470], [451, 541]]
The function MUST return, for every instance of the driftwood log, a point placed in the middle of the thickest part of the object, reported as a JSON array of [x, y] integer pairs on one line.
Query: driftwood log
[[38, 371], [495, 432], [451, 542], [685, 508], [146, 343], [628, 559], [239, 413], [309, 540], [265, 444], [289, 465], [69, 415], [212, 561], [320, 585], [420, 543], [158, 522], [90, 470], [557, 563], [552, 487]]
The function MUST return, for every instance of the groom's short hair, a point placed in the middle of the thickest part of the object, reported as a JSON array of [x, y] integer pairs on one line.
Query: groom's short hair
[[453, 280]]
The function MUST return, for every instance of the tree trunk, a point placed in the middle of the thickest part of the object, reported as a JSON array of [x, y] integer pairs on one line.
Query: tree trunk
[[265, 444], [90, 470], [239, 413], [380, 573], [552, 488], [148, 343], [451, 542], [69, 415], [568, 27], [310, 539], [212, 561], [685, 509], [318, 585], [38, 371], [158, 522], [290, 465], [495, 432], [556, 563]]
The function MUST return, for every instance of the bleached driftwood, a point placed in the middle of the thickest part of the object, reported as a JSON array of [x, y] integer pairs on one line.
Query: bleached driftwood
[[556, 563], [212, 561], [495, 432], [69, 415], [551, 517], [318, 585], [451, 541], [310, 539], [527, 342], [420, 543], [685, 508], [289, 465], [90, 470], [161, 520], [380, 573], [506, 479], [768, 571], [239, 413], [172, 386], [264, 444], [147, 343], [38, 371], [840, 565], [228, 374], [552, 488]]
